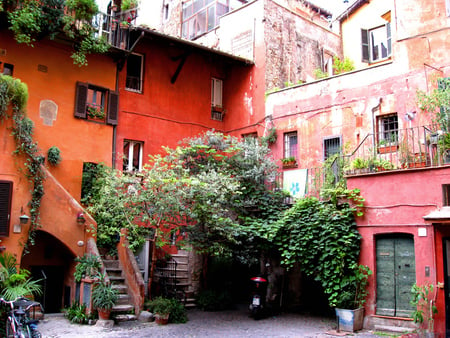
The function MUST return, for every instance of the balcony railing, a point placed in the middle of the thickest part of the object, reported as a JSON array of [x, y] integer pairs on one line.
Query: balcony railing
[[116, 28], [397, 149]]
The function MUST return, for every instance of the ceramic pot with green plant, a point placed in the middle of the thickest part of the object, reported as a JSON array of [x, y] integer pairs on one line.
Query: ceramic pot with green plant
[[128, 4], [161, 307], [104, 297]]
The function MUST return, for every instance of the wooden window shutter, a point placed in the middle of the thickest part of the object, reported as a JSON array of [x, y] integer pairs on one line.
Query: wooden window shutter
[[5, 207], [113, 108], [389, 39], [365, 45], [80, 100]]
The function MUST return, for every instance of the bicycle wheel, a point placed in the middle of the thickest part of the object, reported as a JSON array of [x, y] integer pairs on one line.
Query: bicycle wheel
[[10, 328]]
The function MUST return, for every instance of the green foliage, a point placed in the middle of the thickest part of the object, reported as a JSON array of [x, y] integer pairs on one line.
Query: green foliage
[[15, 282], [54, 155], [422, 299], [76, 313], [342, 66], [437, 103], [320, 74], [88, 266], [171, 306], [128, 4], [31, 20], [214, 300], [82, 9], [103, 296], [160, 305], [14, 93], [323, 238], [271, 136], [26, 21]]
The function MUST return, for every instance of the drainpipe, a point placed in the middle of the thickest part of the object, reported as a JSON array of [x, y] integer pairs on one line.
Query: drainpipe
[[374, 109]]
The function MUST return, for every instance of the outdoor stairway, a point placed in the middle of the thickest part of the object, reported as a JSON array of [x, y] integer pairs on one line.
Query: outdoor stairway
[[183, 277], [123, 310]]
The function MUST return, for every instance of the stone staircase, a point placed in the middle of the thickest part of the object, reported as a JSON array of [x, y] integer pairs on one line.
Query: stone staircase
[[124, 309], [185, 267]]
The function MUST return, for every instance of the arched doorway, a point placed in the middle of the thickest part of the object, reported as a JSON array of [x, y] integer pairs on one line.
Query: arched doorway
[[50, 260]]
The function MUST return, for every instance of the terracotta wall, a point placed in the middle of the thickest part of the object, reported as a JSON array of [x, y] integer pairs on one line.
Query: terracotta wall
[[165, 113], [393, 205], [51, 76]]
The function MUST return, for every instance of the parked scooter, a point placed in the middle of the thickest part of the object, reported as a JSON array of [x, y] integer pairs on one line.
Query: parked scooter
[[258, 301]]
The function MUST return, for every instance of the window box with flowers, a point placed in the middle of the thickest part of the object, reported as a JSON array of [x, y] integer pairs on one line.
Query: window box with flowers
[[289, 162], [95, 112]]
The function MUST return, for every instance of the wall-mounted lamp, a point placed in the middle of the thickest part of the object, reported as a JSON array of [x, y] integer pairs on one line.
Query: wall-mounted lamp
[[24, 219], [80, 218]]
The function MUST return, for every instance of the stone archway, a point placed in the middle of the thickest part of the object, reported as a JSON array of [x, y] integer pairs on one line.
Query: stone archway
[[50, 261]]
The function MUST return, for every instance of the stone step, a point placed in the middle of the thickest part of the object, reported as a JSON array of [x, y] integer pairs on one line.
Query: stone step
[[123, 299], [121, 288], [123, 308], [391, 324], [116, 279], [125, 317], [108, 263]]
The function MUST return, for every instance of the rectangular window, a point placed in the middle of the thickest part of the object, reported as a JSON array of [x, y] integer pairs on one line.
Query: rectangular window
[[387, 130], [6, 69], [132, 155], [135, 70], [331, 146], [216, 92], [290, 144], [446, 195], [376, 43], [96, 104], [201, 16], [5, 207]]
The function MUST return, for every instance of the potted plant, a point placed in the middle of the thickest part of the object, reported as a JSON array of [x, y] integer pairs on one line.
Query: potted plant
[[128, 4], [104, 297], [360, 165], [88, 267], [351, 298], [161, 307], [289, 162], [422, 300], [444, 147]]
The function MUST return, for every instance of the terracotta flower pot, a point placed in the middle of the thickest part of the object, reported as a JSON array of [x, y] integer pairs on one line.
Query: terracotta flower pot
[[161, 319], [104, 314]]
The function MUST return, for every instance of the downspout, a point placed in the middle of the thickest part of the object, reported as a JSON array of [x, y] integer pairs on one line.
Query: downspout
[[119, 67], [374, 109]]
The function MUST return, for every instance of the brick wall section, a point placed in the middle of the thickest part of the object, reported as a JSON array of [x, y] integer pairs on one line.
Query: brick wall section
[[133, 276], [294, 46]]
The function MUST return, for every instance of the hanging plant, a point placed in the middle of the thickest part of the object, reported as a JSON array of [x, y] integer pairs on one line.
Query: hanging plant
[[54, 155]]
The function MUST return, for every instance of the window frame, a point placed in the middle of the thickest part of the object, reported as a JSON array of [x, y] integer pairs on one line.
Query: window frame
[[288, 145], [141, 74], [325, 147], [387, 138], [130, 165], [367, 46], [6, 190], [111, 100]]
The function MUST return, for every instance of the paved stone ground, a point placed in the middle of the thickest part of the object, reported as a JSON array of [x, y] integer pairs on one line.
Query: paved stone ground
[[204, 324]]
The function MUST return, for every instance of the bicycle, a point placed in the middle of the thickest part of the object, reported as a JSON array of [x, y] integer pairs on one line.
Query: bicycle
[[18, 323]]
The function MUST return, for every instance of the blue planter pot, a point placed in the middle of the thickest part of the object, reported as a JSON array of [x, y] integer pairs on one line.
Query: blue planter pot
[[350, 320]]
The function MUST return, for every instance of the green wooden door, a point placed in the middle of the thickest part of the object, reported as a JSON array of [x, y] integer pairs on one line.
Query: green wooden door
[[396, 273]]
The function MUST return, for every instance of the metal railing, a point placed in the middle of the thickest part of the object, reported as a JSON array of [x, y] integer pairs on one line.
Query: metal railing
[[115, 28], [409, 148]]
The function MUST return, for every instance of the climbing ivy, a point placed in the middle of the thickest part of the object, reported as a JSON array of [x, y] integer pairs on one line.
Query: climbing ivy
[[323, 238], [14, 94]]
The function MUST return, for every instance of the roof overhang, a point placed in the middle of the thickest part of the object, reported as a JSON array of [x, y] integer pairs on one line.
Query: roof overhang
[[154, 34], [352, 8]]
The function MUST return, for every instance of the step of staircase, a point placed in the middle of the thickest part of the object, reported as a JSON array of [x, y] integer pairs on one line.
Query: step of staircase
[[123, 310], [387, 324]]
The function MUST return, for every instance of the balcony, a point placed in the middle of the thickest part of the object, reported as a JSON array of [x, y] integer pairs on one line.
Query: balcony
[[116, 27], [399, 149]]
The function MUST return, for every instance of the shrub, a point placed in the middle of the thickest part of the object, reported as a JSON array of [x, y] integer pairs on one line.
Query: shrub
[[76, 313], [54, 155], [214, 300]]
